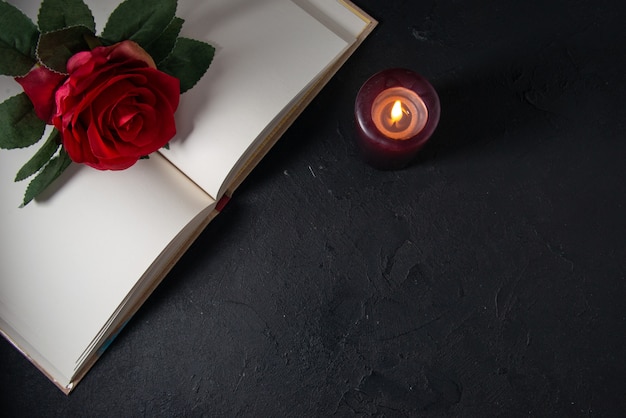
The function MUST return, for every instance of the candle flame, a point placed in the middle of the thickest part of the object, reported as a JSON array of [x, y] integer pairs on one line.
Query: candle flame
[[396, 112]]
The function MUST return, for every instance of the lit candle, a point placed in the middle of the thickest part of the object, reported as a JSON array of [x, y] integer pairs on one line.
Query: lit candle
[[396, 112]]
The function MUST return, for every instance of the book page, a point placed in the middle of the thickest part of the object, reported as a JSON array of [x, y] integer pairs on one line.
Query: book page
[[340, 16], [346, 20], [267, 53], [68, 259]]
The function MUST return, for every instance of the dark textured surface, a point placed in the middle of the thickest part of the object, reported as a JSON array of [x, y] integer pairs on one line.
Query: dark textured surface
[[487, 279]]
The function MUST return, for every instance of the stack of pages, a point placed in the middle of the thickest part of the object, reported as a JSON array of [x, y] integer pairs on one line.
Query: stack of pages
[[79, 261]]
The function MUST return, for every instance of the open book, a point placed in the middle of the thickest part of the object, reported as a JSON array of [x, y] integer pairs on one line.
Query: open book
[[79, 261]]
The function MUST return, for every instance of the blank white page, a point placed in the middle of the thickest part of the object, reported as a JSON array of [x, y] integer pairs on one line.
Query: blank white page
[[268, 52], [68, 260]]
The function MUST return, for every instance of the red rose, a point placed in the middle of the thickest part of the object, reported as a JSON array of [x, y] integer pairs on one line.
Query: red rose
[[115, 106]]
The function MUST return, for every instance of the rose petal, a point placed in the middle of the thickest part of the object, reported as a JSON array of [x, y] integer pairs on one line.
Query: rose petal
[[40, 85]]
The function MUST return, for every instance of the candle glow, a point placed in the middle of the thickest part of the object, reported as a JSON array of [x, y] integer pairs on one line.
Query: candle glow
[[396, 112], [399, 113]]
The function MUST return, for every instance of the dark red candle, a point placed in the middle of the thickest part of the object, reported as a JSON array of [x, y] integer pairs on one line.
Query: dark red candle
[[396, 110]]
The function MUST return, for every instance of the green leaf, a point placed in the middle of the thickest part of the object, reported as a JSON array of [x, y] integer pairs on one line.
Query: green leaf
[[61, 14], [51, 172], [41, 157], [19, 125], [141, 21], [55, 48], [188, 62], [18, 40], [161, 47]]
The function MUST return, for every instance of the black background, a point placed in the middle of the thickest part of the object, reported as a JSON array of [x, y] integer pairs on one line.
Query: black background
[[487, 279]]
